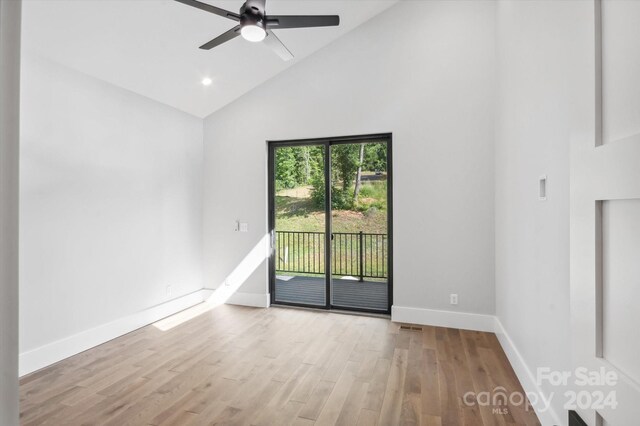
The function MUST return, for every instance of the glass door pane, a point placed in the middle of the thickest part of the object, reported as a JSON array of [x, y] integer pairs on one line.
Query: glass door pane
[[360, 244], [300, 225]]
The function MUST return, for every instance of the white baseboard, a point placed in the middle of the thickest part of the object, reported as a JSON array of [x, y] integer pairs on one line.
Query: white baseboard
[[226, 295], [462, 320], [525, 375], [250, 299], [51, 353]]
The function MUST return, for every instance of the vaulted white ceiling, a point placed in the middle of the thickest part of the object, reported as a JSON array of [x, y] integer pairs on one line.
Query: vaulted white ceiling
[[151, 46]]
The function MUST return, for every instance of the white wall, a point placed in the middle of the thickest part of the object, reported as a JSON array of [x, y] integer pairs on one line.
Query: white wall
[[621, 65], [421, 70], [544, 74], [9, 150], [111, 203]]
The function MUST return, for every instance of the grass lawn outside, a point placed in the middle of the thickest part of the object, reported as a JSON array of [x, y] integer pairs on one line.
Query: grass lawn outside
[[295, 211]]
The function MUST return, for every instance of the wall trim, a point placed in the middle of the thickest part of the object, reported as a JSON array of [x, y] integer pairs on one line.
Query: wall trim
[[256, 300], [461, 320], [51, 353], [525, 375]]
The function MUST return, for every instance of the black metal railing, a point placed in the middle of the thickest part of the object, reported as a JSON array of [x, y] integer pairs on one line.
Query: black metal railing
[[356, 254]]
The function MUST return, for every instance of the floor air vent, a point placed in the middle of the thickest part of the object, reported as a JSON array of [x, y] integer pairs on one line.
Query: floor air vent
[[410, 328]]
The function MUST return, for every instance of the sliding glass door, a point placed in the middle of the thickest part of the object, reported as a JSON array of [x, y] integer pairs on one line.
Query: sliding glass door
[[359, 225], [299, 231], [330, 223]]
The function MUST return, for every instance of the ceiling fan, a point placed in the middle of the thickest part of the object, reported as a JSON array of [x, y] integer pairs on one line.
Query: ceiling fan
[[255, 25]]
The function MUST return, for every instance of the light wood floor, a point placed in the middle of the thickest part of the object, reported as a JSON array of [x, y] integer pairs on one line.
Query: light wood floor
[[277, 366]]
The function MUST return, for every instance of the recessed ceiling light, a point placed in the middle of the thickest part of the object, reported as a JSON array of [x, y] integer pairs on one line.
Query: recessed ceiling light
[[206, 81]]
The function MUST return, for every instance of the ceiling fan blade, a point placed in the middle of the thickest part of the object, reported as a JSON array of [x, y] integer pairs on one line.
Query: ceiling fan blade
[[256, 4], [277, 46], [283, 21], [229, 35], [211, 9]]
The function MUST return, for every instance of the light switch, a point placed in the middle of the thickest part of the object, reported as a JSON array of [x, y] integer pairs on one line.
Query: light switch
[[244, 227]]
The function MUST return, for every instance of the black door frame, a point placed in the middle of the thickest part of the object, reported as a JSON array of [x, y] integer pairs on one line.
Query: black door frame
[[327, 143]]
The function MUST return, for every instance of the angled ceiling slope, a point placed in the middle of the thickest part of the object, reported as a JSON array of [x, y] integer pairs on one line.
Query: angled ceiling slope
[[150, 47]]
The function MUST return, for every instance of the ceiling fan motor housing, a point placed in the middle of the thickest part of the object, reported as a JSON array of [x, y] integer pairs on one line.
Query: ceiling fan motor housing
[[252, 16]]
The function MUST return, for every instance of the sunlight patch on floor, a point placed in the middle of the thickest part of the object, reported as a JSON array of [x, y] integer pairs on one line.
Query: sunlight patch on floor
[[168, 323]]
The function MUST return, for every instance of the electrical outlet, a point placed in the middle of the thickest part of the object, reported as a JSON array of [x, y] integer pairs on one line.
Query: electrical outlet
[[244, 227], [453, 298], [169, 290]]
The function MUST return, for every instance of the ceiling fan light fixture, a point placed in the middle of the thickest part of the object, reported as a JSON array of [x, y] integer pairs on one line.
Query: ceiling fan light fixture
[[254, 25], [253, 33]]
